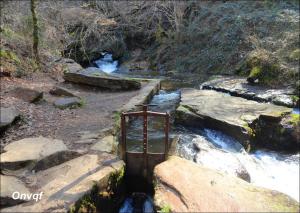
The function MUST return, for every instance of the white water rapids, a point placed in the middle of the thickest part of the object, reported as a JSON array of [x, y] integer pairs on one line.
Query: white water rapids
[[216, 150], [267, 169], [106, 63]]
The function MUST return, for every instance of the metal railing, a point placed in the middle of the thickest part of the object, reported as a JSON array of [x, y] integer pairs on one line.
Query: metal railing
[[146, 155]]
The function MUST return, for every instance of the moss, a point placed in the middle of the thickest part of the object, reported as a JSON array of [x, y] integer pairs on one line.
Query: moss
[[249, 130], [9, 55], [117, 120], [255, 72], [294, 119], [165, 209], [295, 55]]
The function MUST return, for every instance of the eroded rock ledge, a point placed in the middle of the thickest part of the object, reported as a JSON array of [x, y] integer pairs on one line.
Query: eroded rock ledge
[[250, 122], [238, 86]]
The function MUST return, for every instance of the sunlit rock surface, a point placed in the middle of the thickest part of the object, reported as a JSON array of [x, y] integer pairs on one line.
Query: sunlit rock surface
[[187, 187]]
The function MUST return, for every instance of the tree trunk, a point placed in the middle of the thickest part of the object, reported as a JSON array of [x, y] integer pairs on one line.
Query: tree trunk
[[35, 34]]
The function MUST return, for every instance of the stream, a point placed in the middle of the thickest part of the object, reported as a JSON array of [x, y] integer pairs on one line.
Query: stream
[[210, 148]]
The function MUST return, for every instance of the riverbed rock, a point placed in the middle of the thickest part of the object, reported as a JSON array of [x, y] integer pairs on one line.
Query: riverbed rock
[[26, 94], [238, 86], [9, 185], [70, 65], [184, 186], [95, 77], [7, 116], [70, 102], [236, 117], [66, 183], [60, 91], [35, 153]]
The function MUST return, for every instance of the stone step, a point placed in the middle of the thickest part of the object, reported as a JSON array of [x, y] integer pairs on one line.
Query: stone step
[[35, 154], [7, 116], [61, 186]]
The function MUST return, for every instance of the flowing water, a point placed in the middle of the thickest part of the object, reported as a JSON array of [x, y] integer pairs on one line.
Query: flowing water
[[106, 63], [210, 148]]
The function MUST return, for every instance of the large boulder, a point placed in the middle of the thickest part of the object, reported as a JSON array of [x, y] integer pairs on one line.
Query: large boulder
[[26, 94], [237, 117], [67, 183], [183, 186], [35, 153], [7, 116], [238, 86], [10, 185], [95, 77]]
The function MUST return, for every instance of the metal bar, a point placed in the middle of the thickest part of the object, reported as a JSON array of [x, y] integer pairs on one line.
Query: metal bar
[[123, 137], [145, 139], [167, 126], [138, 113], [156, 113]]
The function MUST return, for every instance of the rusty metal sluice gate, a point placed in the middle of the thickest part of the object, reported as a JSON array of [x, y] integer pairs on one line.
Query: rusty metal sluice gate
[[143, 163]]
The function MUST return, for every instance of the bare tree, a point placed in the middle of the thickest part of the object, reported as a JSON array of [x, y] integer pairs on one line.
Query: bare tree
[[35, 34]]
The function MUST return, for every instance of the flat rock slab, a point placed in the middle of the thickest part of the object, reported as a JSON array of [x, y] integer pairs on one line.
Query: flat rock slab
[[9, 185], [7, 117], [63, 103], [37, 153], [220, 111], [238, 86], [64, 184], [28, 95], [187, 187], [95, 77], [60, 91], [106, 144]]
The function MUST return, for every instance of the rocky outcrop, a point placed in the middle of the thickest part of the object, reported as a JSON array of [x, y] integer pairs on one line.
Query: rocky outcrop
[[67, 183], [63, 103], [69, 65], [28, 95], [95, 77], [35, 153], [7, 116], [238, 86], [184, 186], [9, 185], [237, 117]]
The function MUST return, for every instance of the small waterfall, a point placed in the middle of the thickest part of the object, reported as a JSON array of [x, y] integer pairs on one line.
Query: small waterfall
[[106, 63], [267, 169]]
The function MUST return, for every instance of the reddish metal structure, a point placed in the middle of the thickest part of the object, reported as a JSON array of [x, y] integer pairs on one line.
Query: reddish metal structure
[[143, 162]]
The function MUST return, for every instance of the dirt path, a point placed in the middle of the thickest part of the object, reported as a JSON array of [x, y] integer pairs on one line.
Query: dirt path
[[43, 119]]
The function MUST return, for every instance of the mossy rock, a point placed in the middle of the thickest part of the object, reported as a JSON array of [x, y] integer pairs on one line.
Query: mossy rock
[[261, 66]]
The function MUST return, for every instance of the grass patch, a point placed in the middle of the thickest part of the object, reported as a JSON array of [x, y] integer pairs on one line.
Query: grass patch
[[295, 55], [165, 209], [9, 55]]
